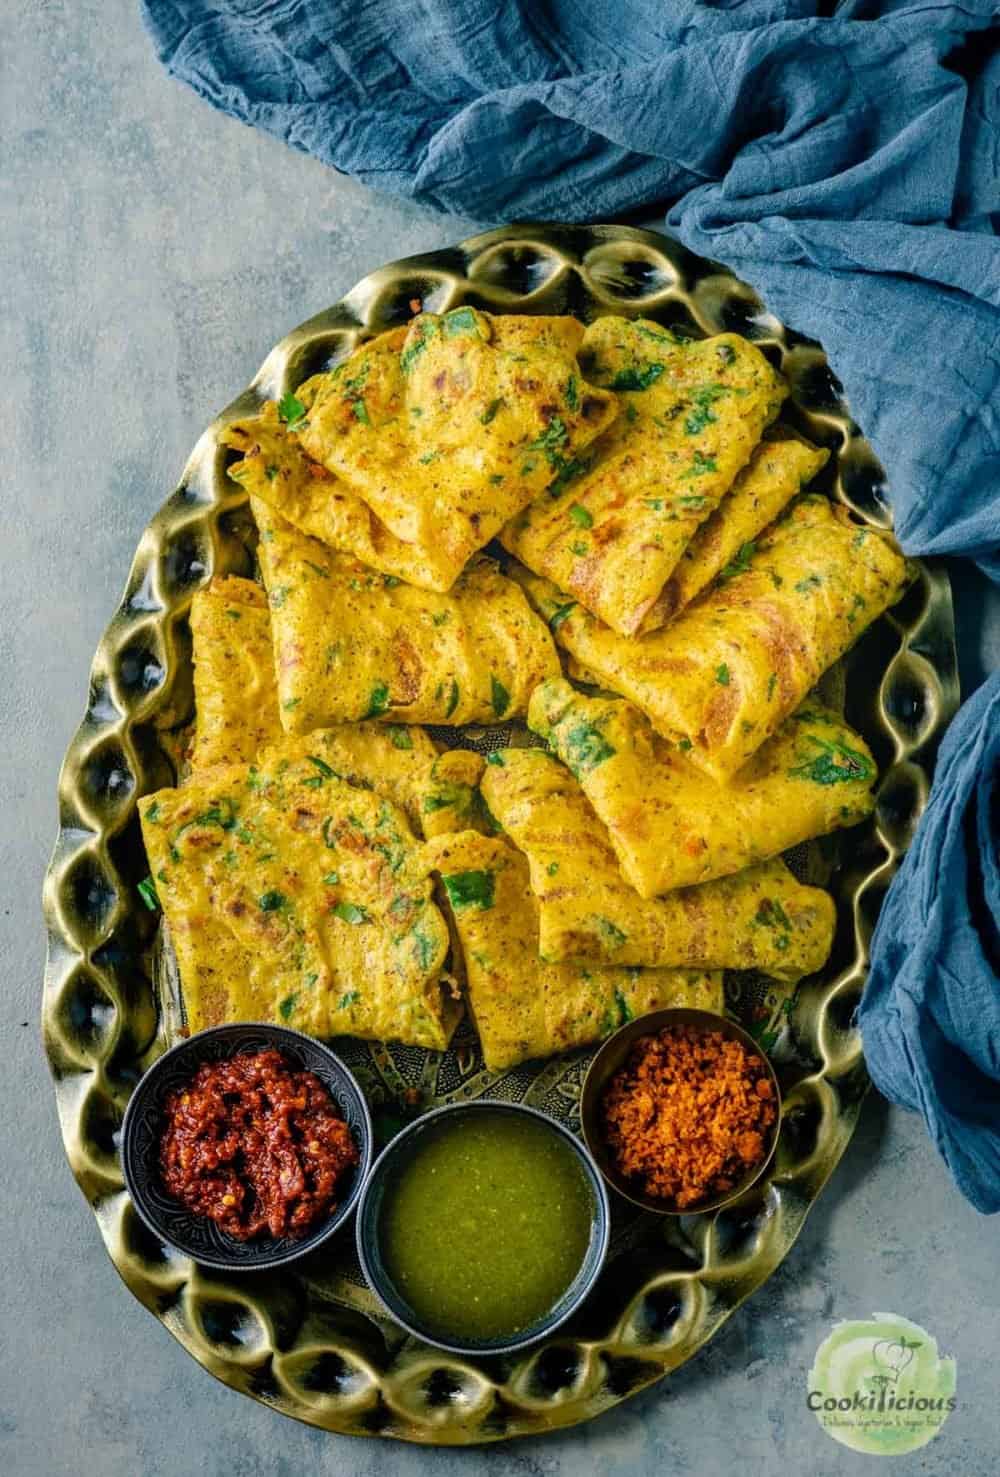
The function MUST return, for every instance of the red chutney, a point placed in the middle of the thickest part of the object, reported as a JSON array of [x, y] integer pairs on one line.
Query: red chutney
[[256, 1146]]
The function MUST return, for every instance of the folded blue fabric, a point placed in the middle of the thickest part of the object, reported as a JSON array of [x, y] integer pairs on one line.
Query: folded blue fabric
[[847, 165], [932, 1002]]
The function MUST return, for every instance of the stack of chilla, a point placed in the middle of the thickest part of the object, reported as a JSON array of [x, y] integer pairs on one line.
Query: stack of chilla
[[325, 863]]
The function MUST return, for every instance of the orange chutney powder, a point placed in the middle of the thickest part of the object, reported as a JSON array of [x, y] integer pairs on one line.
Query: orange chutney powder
[[689, 1114]]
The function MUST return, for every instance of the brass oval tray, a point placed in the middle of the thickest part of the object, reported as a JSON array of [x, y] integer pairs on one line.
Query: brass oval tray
[[312, 1343]]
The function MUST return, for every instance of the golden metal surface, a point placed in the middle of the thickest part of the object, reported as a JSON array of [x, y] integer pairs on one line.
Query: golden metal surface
[[312, 1343]]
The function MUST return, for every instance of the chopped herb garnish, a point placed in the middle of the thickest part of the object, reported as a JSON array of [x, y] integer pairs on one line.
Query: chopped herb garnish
[[287, 1006], [552, 439], [552, 868], [401, 737], [291, 704], [147, 891], [440, 617], [323, 767], [423, 331], [834, 764], [771, 914], [702, 414], [318, 569], [857, 604], [499, 697], [361, 412], [722, 675], [586, 747], [631, 414], [580, 516], [446, 796], [495, 758], [684, 744], [379, 700], [490, 411], [291, 410], [452, 700], [497, 478], [331, 879], [153, 813], [350, 998], [459, 321], [234, 615], [811, 582], [740, 562], [271, 902], [637, 378], [558, 616], [701, 466], [428, 457], [568, 473], [579, 548], [573, 393], [609, 933], [625, 1012], [222, 814], [350, 913], [424, 948], [771, 684], [470, 889]]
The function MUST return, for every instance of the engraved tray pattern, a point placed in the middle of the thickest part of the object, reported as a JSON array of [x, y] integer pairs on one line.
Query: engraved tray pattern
[[310, 1341]]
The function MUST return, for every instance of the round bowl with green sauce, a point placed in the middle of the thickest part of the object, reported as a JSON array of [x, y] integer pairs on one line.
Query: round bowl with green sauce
[[483, 1226]]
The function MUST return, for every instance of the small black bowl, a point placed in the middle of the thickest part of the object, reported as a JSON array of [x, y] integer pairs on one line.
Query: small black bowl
[[367, 1229], [197, 1236]]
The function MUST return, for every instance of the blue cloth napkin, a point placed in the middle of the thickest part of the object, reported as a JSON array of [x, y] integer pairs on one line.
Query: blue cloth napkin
[[931, 1005], [847, 165]]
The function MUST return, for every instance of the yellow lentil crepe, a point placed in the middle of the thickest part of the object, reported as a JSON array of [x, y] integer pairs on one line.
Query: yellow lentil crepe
[[325, 865], [522, 1006], [451, 800], [294, 897], [449, 428], [275, 469], [670, 824], [390, 758], [726, 673], [611, 531], [724, 543], [760, 918], [236, 698], [350, 643]]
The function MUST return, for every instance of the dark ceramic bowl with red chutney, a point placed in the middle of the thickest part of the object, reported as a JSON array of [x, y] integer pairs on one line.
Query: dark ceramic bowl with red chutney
[[292, 1159]]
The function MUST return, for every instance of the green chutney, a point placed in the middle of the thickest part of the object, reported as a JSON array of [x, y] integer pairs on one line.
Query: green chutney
[[486, 1224]]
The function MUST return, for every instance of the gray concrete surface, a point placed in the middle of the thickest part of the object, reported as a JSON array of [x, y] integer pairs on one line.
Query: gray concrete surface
[[152, 252]]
